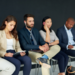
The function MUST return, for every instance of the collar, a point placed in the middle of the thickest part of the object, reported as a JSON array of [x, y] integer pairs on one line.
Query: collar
[[66, 28]]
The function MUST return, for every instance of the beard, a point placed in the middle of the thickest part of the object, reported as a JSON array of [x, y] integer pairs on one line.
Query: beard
[[28, 26]]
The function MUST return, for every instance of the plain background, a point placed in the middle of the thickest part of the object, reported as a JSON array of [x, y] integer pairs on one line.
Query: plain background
[[58, 10]]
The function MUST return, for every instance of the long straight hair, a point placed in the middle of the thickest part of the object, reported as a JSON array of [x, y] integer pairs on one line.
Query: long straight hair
[[44, 19], [9, 19]]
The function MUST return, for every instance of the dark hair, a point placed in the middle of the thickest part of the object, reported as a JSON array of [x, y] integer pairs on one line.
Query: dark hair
[[28, 15], [9, 19], [70, 18], [44, 19]]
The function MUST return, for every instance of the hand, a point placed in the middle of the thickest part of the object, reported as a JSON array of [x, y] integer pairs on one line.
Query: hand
[[42, 48], [9, 54], [70, 47], [46, 28], [22, 53], [46, 46]]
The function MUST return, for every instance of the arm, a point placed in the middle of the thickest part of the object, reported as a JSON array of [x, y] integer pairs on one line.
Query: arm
[[59, 34], [18, 48], [56, 40], [41, 40], [45, 37], [2, 53], [25, 45]]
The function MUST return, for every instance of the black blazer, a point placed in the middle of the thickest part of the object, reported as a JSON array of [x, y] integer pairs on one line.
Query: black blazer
[[25, 42], [63, 37]]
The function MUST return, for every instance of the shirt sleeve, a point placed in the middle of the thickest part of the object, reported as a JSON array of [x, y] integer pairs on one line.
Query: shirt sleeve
[[55, 37], [42, 34]]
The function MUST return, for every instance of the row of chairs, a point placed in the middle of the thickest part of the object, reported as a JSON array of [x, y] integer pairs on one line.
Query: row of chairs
[[52, 69]]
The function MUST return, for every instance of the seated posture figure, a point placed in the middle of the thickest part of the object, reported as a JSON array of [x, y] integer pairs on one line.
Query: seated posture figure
[[66, 35], [9, 45], [49, 36]]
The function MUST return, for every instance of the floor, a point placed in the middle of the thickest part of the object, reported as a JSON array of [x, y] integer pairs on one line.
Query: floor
[[56, 71]]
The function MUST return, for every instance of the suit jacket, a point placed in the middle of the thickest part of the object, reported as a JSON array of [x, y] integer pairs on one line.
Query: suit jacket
[[3, 44], [63, 37], [25, 42]]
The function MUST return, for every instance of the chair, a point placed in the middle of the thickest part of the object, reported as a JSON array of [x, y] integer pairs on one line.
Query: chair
[[53, 61]]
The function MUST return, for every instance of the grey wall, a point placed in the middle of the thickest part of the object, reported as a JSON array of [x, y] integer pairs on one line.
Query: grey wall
[[58, 10]]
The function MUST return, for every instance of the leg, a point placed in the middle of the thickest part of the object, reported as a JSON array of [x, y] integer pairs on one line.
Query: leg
[[16, 62], [53, 51], [27, 64], [66, 59], [70, 52], [34, 56], [62, 61], [6, 67]]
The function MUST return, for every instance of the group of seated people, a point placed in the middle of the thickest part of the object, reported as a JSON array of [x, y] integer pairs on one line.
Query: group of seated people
[[57, 46]]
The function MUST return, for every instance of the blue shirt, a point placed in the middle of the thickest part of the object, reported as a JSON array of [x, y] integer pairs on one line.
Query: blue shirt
[[70, 37]]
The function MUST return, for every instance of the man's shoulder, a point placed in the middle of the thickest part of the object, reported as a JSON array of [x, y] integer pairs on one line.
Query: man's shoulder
[[22, 29], [60, 29], [35, 29]]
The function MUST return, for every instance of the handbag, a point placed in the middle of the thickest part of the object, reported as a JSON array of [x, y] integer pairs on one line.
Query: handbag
[[70, 70]]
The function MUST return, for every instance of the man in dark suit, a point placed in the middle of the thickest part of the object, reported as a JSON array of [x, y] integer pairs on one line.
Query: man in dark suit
[[66, 35], [30, 39]]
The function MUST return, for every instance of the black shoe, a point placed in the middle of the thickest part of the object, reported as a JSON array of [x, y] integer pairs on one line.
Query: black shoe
[[43, 62]]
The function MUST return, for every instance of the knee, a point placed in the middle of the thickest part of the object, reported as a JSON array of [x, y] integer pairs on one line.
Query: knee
[[61, 58], [58, 47], [66, 57], [27, 59], [18, 63], [13, 68]]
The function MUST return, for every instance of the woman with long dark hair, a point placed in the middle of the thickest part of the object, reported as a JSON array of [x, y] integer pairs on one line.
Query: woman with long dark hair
[[9, 45], [49, 36]]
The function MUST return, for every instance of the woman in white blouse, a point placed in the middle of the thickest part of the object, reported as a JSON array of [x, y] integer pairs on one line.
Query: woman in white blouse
[[9, 45], [49, 36]]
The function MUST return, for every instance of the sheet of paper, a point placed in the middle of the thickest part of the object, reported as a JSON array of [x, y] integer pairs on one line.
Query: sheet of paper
[[73, 48]]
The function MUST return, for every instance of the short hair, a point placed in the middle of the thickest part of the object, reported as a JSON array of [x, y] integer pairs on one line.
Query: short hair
[[70, 18], [28, 15]]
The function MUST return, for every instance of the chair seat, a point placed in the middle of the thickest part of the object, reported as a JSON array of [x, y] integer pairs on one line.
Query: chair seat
[[33, 63], [53, 60], [71, 56]]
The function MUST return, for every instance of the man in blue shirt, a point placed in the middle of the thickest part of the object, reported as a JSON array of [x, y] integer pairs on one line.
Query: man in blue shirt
[[66, 35]]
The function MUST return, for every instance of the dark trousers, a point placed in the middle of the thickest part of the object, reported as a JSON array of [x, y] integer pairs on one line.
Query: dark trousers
[[70, 52], [62, 61], [17, 61]]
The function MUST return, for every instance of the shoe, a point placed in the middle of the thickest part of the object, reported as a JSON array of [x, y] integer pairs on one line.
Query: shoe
[[43, 62]]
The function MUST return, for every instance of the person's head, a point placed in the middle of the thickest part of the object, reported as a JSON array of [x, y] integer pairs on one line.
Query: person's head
[[46, 21], [70, 23], [29, 20], [10, 24]]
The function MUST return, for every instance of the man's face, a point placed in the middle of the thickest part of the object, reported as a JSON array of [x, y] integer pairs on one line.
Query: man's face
[[30, 22], [69, 24]]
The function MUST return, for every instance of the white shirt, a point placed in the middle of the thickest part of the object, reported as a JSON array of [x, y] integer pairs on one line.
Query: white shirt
[[70, 37], [9, 44]]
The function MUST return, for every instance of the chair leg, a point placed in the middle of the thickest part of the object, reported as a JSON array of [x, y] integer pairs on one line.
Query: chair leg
[[70, 61], [36, 71], [51, 69]]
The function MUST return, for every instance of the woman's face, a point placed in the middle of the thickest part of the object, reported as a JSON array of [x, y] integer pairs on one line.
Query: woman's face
[[48, 22], [10, 25]]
